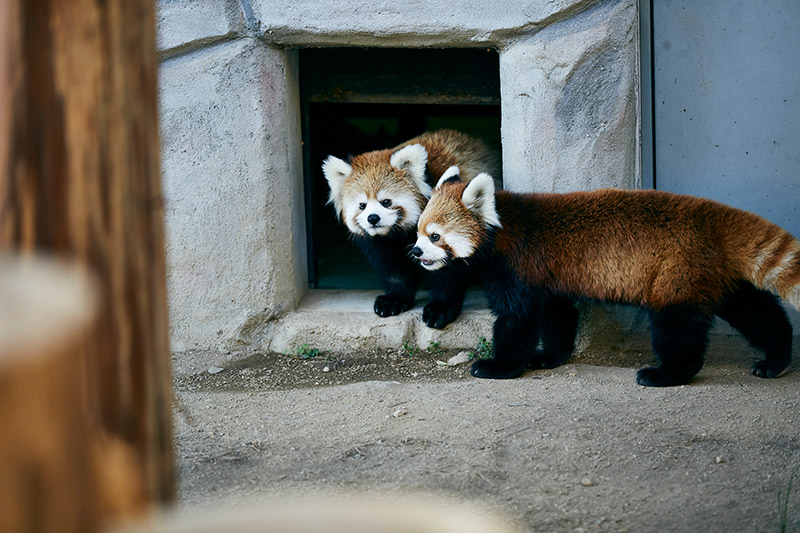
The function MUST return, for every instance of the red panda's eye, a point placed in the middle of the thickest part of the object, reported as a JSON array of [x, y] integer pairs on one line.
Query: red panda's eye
[[434, 237], [362, 206], [386, 203]]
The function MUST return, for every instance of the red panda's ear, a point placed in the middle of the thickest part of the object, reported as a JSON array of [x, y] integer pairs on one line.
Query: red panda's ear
[[413, 159], [451, 175], [336, 172], [478, 197]]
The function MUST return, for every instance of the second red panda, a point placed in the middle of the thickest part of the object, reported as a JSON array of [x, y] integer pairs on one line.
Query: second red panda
[[684, 259], [379, 195]]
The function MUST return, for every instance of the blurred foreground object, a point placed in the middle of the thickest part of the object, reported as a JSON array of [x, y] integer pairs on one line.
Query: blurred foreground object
[[55, 472], [81, 181], [338, 512]]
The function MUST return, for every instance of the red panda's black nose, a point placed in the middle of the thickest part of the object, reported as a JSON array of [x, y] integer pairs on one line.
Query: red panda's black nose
[[416, 251], [373, 219]]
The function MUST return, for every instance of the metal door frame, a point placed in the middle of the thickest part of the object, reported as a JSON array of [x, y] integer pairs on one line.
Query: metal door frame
[[647, 95]]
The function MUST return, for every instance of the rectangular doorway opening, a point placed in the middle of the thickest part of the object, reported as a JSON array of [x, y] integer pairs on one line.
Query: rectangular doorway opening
[[357, 100]]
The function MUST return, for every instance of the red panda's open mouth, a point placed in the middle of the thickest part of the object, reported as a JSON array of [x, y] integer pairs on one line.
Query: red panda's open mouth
[[431, 264]]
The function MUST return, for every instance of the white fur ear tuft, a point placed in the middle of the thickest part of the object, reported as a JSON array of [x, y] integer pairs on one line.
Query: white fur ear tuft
[[479, 198], [413, 159], [336, 172], [452, 173]]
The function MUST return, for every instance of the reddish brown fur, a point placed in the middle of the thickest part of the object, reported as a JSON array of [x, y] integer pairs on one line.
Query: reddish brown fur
[[447, 148], [649, 248], [792, 277], [373, 172], [456, 215]]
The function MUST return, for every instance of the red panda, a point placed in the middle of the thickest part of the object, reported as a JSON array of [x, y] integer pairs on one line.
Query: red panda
[[379, 196], [684, 259]]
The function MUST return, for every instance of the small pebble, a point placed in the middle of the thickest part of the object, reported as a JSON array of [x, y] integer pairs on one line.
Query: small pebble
[[215, 370], [461, 357], [326, 369], [719, 460], [399, 412], [586, 482]]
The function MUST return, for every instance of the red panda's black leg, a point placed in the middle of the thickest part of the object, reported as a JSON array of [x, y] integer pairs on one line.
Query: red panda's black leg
[[759, 317], [396, 271], [438, 313], [399, 297], [515, 338], [559, 326], [680, 339], [447, 289], [401, 287]]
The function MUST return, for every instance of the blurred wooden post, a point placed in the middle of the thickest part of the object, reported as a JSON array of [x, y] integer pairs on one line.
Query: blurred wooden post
[[48, 476], [81, 180]]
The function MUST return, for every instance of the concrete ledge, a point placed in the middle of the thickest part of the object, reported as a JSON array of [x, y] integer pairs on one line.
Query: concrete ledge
[[341, 320]]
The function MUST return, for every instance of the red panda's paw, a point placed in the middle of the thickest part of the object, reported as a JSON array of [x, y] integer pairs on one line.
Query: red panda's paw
[[764, 369], [437, 315], [386, 306], [494, 369], [660, 377]]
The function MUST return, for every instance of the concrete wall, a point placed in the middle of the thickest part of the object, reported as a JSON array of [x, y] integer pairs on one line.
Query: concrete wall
[[231, 139], [569, 100], [233, 190]]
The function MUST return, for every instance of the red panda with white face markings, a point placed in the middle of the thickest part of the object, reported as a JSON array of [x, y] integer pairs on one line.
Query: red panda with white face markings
[[379, 196], [684, 259]]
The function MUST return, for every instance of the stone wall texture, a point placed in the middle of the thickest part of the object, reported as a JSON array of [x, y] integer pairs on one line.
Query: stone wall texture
[[231, 190], [569, 104], [231, 130]]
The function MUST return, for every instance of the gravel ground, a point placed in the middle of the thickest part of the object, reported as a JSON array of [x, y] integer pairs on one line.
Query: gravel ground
[[578, 448]]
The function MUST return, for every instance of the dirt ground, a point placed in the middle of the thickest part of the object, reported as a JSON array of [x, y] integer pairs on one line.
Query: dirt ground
[[578, 448]]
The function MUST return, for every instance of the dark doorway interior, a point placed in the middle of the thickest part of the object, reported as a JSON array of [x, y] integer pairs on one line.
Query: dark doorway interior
[[357, 100]]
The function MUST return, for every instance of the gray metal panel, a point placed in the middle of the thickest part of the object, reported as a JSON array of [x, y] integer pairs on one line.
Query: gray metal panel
[[727, 103]]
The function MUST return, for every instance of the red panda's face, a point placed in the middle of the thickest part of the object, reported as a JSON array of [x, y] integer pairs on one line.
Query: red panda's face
[[455, 221], [375, 206], [379, 191]]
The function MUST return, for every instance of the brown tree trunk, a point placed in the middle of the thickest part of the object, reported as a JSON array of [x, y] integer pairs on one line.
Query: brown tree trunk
[[82, 181]]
